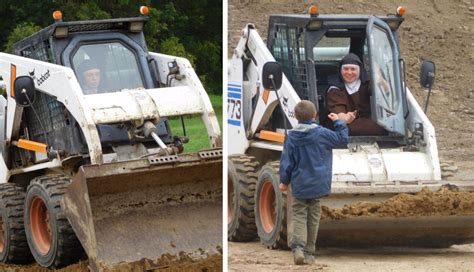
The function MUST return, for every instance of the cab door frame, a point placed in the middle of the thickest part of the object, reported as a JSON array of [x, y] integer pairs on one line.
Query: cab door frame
[[387, 97]]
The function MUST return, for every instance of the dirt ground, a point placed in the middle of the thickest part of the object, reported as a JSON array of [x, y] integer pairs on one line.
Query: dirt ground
[[79, 267], [254, 257], [439, 30], [164, 264]]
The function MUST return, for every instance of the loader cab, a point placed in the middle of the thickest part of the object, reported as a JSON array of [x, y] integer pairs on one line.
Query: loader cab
[[116, 47], [310, 48], [116, 51]]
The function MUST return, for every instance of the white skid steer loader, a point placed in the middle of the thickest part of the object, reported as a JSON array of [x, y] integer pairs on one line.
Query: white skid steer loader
[[371, 168], [89, 162]]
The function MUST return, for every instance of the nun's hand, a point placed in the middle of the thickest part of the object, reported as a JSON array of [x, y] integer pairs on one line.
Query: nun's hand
[[352, 115], [347, 117]]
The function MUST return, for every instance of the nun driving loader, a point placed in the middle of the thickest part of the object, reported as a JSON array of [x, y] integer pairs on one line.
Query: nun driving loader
[[99, 171], [372, 168]]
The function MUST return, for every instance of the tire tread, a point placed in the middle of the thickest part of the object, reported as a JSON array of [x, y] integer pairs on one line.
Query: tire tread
[[246, 168], [69, 249]]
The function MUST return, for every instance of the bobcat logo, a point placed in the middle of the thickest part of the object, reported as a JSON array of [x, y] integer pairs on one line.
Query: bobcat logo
[[285, 101], [41, 79]]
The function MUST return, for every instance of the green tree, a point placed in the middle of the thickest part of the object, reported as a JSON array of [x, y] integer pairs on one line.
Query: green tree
[[172, 46], [21, 31]]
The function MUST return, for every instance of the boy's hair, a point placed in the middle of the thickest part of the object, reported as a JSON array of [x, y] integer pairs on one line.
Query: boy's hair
[[305, 110]]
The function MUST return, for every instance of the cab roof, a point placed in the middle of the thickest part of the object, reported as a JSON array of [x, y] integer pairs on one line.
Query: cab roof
[[332, 20], [79, 26]]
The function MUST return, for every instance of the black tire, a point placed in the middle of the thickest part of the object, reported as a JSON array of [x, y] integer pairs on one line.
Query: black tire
[[13, 244], [270, 208], [50, 236], [242, 178]]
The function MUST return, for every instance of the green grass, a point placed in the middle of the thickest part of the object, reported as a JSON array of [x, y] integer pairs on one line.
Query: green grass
[[195, 130]]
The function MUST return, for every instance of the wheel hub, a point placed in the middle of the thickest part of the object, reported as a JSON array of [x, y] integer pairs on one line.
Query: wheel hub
[[2, 235], [40, 225], [266, 206]]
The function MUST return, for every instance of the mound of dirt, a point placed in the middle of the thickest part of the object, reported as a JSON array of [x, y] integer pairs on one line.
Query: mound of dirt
[[446, 201]]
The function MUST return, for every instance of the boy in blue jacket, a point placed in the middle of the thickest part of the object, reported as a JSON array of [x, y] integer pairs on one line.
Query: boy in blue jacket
[[306, 162]]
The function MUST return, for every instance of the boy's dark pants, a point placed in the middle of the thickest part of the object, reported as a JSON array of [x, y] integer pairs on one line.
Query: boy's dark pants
[[305, 221]]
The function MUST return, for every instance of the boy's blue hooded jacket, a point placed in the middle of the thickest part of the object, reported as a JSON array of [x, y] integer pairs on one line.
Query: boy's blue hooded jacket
[[306, 160]]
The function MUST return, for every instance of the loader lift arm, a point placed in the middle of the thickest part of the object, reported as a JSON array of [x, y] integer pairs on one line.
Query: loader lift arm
[[253, 51]]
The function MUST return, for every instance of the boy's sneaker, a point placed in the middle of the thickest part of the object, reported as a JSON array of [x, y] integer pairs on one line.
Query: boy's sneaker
[[309, 258], [298, 256]]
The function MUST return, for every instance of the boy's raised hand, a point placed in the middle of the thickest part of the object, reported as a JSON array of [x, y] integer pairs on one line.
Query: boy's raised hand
[[283, 187], [333, 116]]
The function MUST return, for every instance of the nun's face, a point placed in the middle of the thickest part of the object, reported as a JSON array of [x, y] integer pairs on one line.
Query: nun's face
[[350, 72], [92, 78]]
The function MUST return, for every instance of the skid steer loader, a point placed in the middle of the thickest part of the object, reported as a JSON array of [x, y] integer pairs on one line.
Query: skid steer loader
[[97, 170], [371, 168]]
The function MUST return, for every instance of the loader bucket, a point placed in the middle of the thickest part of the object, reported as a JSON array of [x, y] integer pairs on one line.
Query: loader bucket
[[148, 208], [420, 231], [373, 215]]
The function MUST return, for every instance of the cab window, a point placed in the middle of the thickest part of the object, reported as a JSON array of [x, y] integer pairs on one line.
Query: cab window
[[104, 68]]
